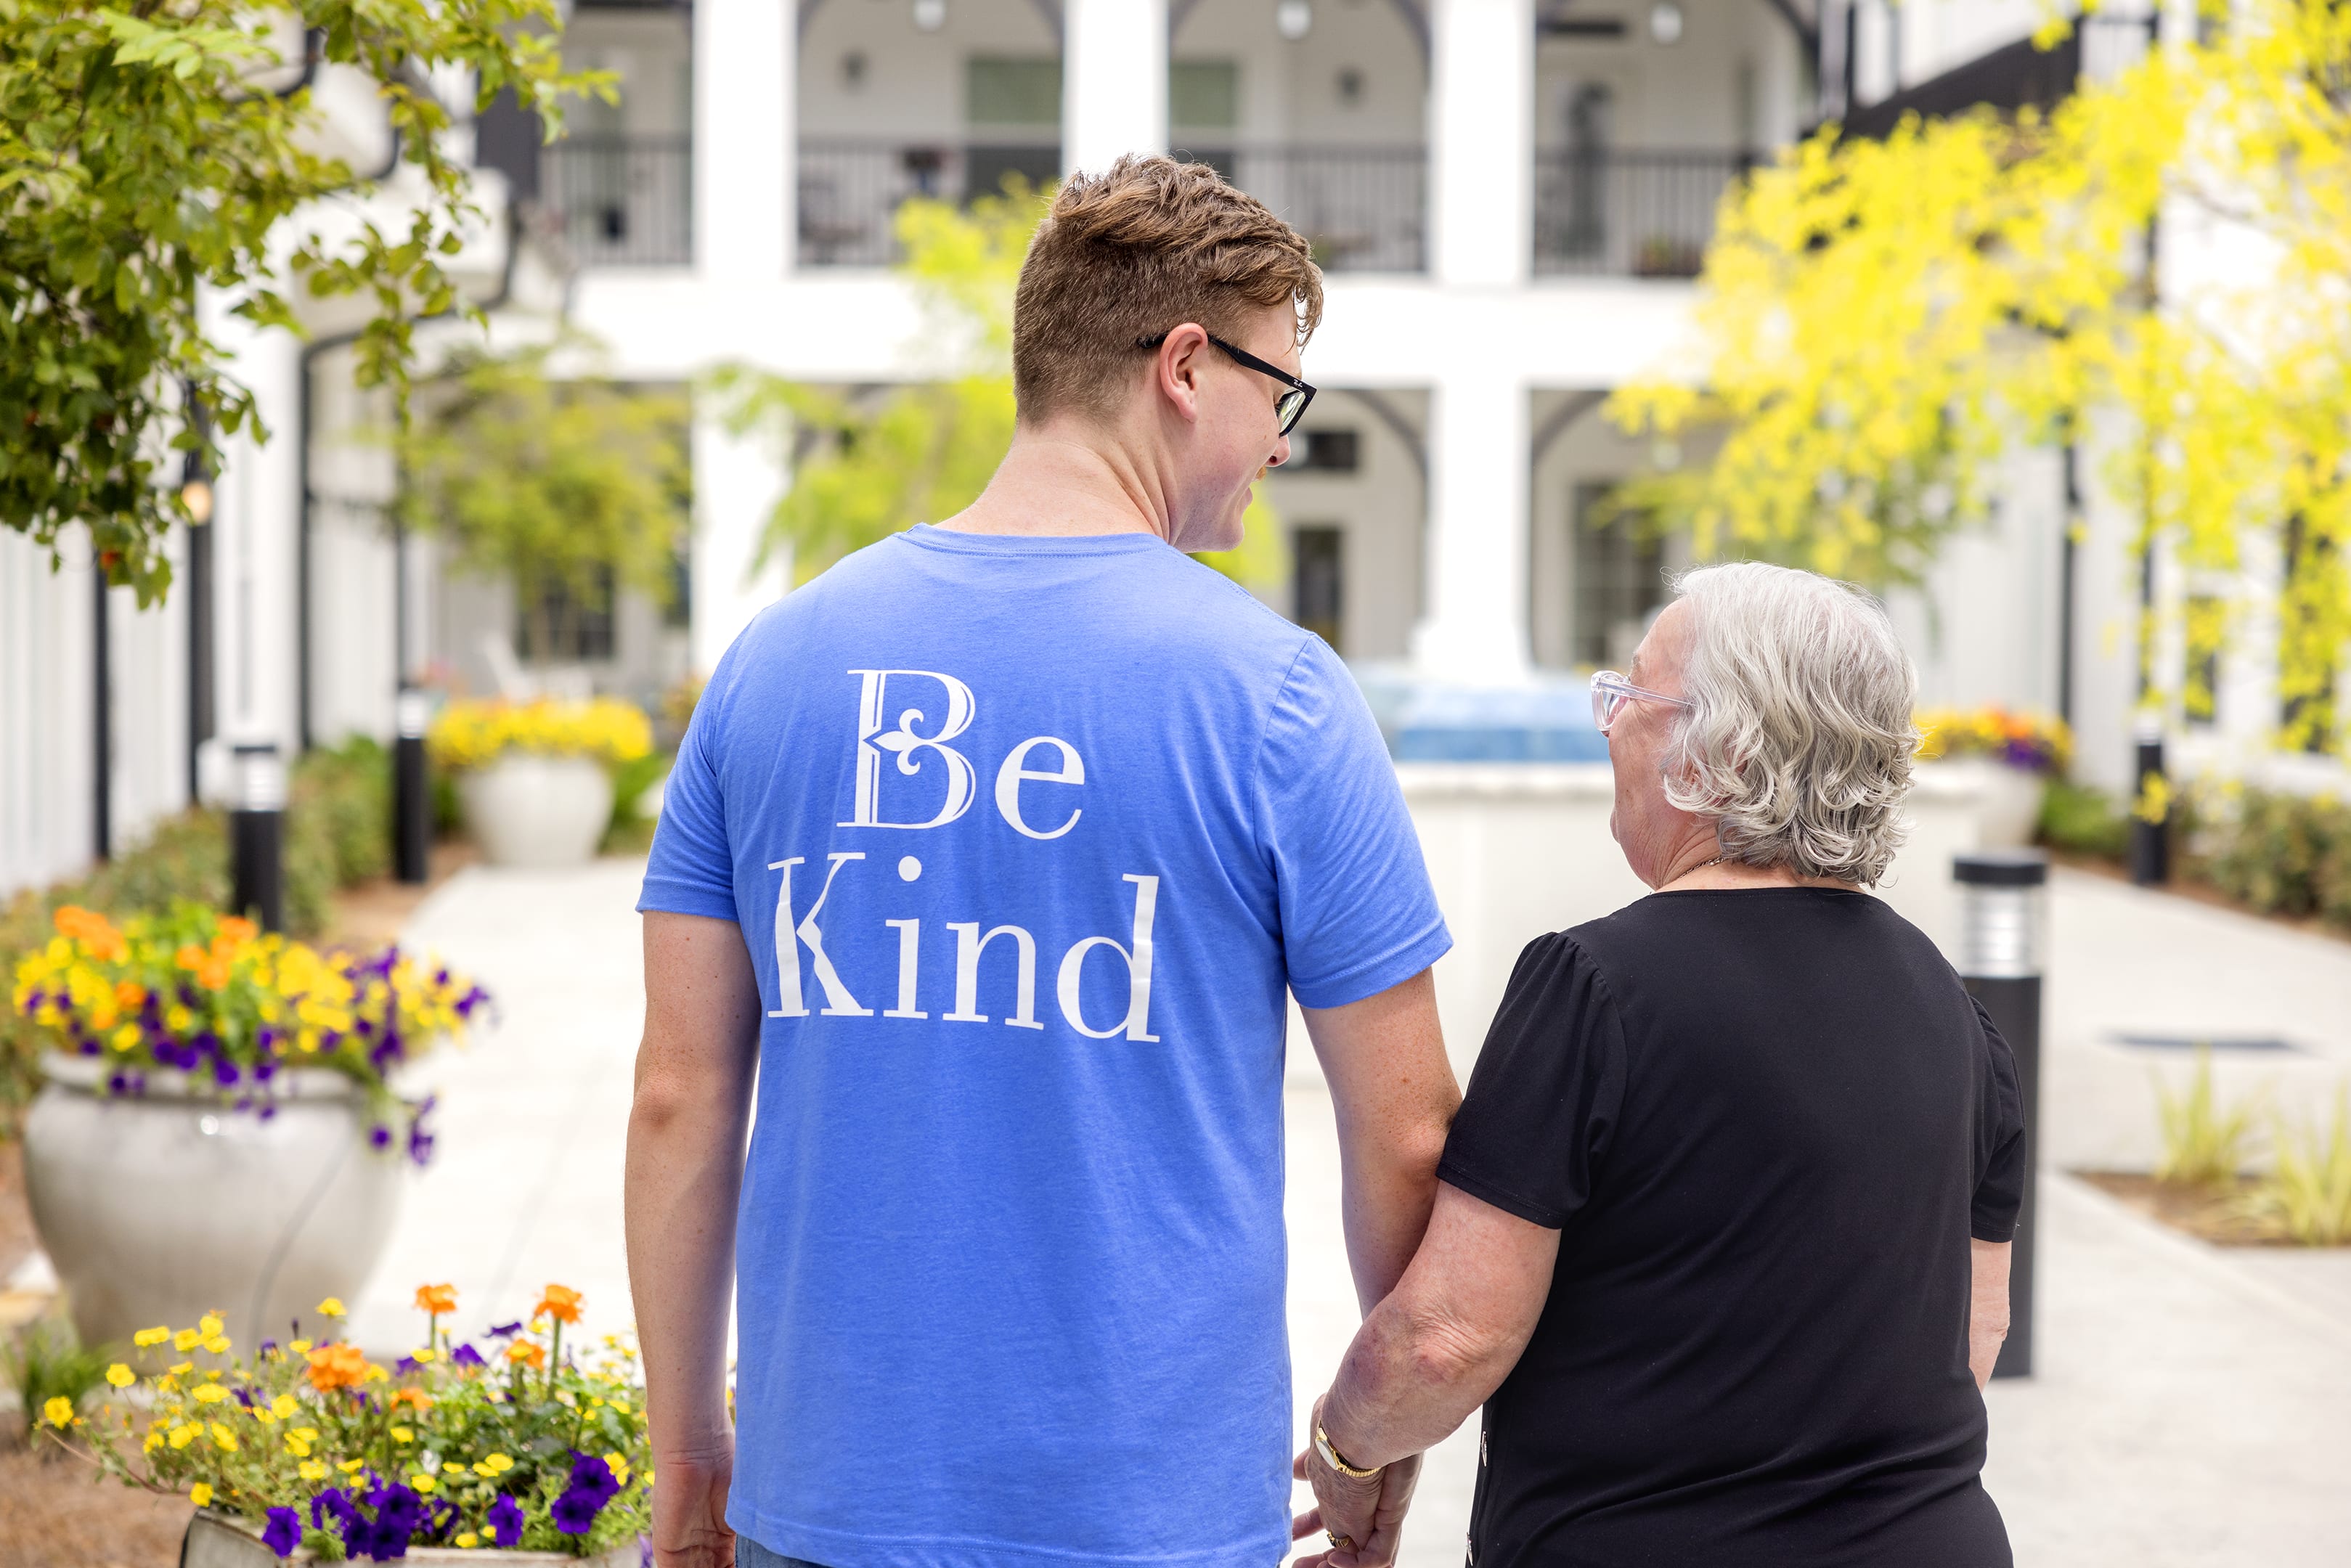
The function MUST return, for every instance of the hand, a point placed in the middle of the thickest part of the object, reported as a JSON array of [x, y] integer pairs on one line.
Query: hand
[[690, 1510], [1367, 1511]]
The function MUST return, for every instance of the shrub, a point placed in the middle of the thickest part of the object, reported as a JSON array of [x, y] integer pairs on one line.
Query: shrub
[[2203, 1143], [2282, 853], [2309, 1193], [46, 1365], [2084, 820]]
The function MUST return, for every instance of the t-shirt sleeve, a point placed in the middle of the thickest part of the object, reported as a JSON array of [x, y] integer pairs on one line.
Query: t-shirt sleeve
[[2001, 1148], [692, 868], [1357, 912], [1547, 1092]]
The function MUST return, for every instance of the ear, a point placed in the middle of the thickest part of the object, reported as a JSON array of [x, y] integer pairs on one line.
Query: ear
[[1178, 367]]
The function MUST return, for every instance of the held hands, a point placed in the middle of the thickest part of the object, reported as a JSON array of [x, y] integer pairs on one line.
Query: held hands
[[690, 1510], [1367, 1512]]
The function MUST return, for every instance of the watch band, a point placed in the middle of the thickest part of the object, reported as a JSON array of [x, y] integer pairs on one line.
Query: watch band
[[1331, 1457]]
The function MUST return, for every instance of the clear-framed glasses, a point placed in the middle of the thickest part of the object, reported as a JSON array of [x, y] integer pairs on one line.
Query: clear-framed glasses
[[1288, 407], [1610, 692]]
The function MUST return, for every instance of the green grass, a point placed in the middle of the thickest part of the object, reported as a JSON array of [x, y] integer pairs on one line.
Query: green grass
[[47, 1363], [2084, 820], [2203, 1142], [2309, 1193]]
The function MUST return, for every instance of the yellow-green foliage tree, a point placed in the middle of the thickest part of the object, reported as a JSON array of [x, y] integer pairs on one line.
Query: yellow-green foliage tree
[[1881, 320], [868, 465]]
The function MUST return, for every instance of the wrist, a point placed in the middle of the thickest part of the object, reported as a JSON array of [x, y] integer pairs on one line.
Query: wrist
[[1335, 1450]]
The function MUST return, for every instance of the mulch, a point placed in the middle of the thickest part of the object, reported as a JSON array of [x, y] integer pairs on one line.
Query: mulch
[[2217, 1214]]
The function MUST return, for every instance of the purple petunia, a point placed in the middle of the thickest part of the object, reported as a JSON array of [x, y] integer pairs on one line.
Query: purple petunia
[[592, 1476], [379, 1137], [575, 1511], [283, 1533], [465, 1355], [506, 1331], [506, 1522]]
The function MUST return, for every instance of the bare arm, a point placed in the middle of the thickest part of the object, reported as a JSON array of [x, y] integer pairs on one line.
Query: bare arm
[[1393, 1089], [694, 1074], [1987, 1305]]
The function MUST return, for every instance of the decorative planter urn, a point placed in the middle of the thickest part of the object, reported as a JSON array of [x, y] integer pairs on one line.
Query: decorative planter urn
[[220, 1541], [160, 1207], [529, 811]]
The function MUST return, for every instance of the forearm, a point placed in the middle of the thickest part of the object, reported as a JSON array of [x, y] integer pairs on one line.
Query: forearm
[[1988, 1308], [684, 1174], [1407, 1382], [1386, 1193]]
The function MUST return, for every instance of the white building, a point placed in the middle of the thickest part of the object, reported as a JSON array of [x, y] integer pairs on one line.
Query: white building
[[1510, 197]]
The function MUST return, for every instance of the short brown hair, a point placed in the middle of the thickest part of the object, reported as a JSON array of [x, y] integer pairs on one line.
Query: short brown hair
[[1145, 248]]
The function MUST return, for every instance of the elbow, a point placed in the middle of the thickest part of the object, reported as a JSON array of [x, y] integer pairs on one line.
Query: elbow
[[1443, 1353], [664, 1103]]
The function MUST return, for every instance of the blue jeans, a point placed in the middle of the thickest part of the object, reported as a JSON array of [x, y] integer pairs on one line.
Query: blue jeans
[[750, 1553]]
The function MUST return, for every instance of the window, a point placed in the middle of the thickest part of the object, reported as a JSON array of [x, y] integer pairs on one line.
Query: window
[[2309, 664], [1317, 575], [1204, 94], [1013, 92], [1619, 567], [2205, 625], [568, 628], [1323, 452]]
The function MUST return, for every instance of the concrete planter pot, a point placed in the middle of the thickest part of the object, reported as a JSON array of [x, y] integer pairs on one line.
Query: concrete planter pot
[[221, 1541], [2009, 810], [526, 810], [160, 1207]]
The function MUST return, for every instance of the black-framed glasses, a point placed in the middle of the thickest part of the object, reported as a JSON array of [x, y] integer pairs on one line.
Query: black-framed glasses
[[1290, 407]]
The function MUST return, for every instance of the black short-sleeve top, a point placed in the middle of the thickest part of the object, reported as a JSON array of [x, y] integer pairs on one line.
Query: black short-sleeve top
[[1765, 1123]]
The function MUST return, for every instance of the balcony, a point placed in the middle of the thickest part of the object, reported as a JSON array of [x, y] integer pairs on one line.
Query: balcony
[[1363, 209], [851, 189], [622, 201], [1610, 211]]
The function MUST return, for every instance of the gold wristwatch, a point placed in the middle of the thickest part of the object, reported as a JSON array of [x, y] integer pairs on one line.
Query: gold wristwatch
[[1331, 1457]]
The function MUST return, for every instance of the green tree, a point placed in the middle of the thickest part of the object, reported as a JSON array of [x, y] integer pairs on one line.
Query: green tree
[[150, 148], [566, 488], [1881, 322], [868, 465]]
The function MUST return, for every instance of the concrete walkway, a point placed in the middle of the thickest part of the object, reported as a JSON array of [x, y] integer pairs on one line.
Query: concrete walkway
[[2193, 1405]]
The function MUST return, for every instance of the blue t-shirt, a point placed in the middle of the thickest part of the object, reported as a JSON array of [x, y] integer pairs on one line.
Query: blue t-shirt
[[1026, 838]]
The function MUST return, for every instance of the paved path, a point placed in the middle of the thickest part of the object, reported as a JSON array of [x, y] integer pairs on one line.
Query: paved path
[[2193, 1407]]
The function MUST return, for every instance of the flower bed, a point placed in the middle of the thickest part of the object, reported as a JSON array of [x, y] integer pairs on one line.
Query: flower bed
[[210, 997], [519, 1445], [2033, 742]]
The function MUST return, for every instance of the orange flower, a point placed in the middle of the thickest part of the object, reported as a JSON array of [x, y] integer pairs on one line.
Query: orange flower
[[334, 1366], [561, 1302], [236, 929], [129, 995], [416, 1396], [528, 1353], [91, 929], [211, 969], [436, 1299]]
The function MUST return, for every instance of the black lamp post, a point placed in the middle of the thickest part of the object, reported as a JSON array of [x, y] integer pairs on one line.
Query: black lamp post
[[2003, 896]]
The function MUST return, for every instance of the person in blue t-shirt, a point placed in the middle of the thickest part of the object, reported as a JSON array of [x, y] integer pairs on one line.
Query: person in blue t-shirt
[[984, 872]]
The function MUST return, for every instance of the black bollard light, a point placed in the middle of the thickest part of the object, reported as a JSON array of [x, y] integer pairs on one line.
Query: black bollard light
[[411, 796], [257, 836], [2150, 833], [2002, 896]]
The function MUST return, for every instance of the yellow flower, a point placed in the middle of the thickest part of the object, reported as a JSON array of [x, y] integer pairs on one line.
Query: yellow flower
[[300, 1347], [403, 1435], [264, 1415], [154, 1441], [311, 1469], [283, 1407], [297, 1447], [422, 1482], [146, 1337], [499, 1464], [178, 1020], [184, 1435], [120, 1375], [217, 1345], [210, 1324], [423, 1357], [332, 1307], [619, 1465], [304, 1434], [225, 1438], [125, 1038], [467, 1540], [59, 1412], [186, 1341], [201, 1495], [350, 1467], [210, 1393]]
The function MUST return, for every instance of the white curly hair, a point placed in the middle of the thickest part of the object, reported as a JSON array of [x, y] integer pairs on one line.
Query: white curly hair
[[1798, 740]]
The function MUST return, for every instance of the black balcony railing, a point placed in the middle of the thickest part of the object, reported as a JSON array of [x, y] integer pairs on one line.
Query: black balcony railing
[[1363, 209], [623, 201], [1628, 213], [850, 191]]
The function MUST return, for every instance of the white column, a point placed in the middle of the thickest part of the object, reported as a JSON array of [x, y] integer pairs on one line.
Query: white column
[[1114, 80], [1481, 139], [257, 572], [736, 483], [1476, 630], [745, 79]]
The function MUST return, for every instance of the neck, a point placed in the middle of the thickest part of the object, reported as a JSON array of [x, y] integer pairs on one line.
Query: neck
[[1696, 867], [1064, 478]]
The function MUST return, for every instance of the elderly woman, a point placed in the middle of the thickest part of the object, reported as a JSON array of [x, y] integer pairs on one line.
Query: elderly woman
[[1722, 1239]]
